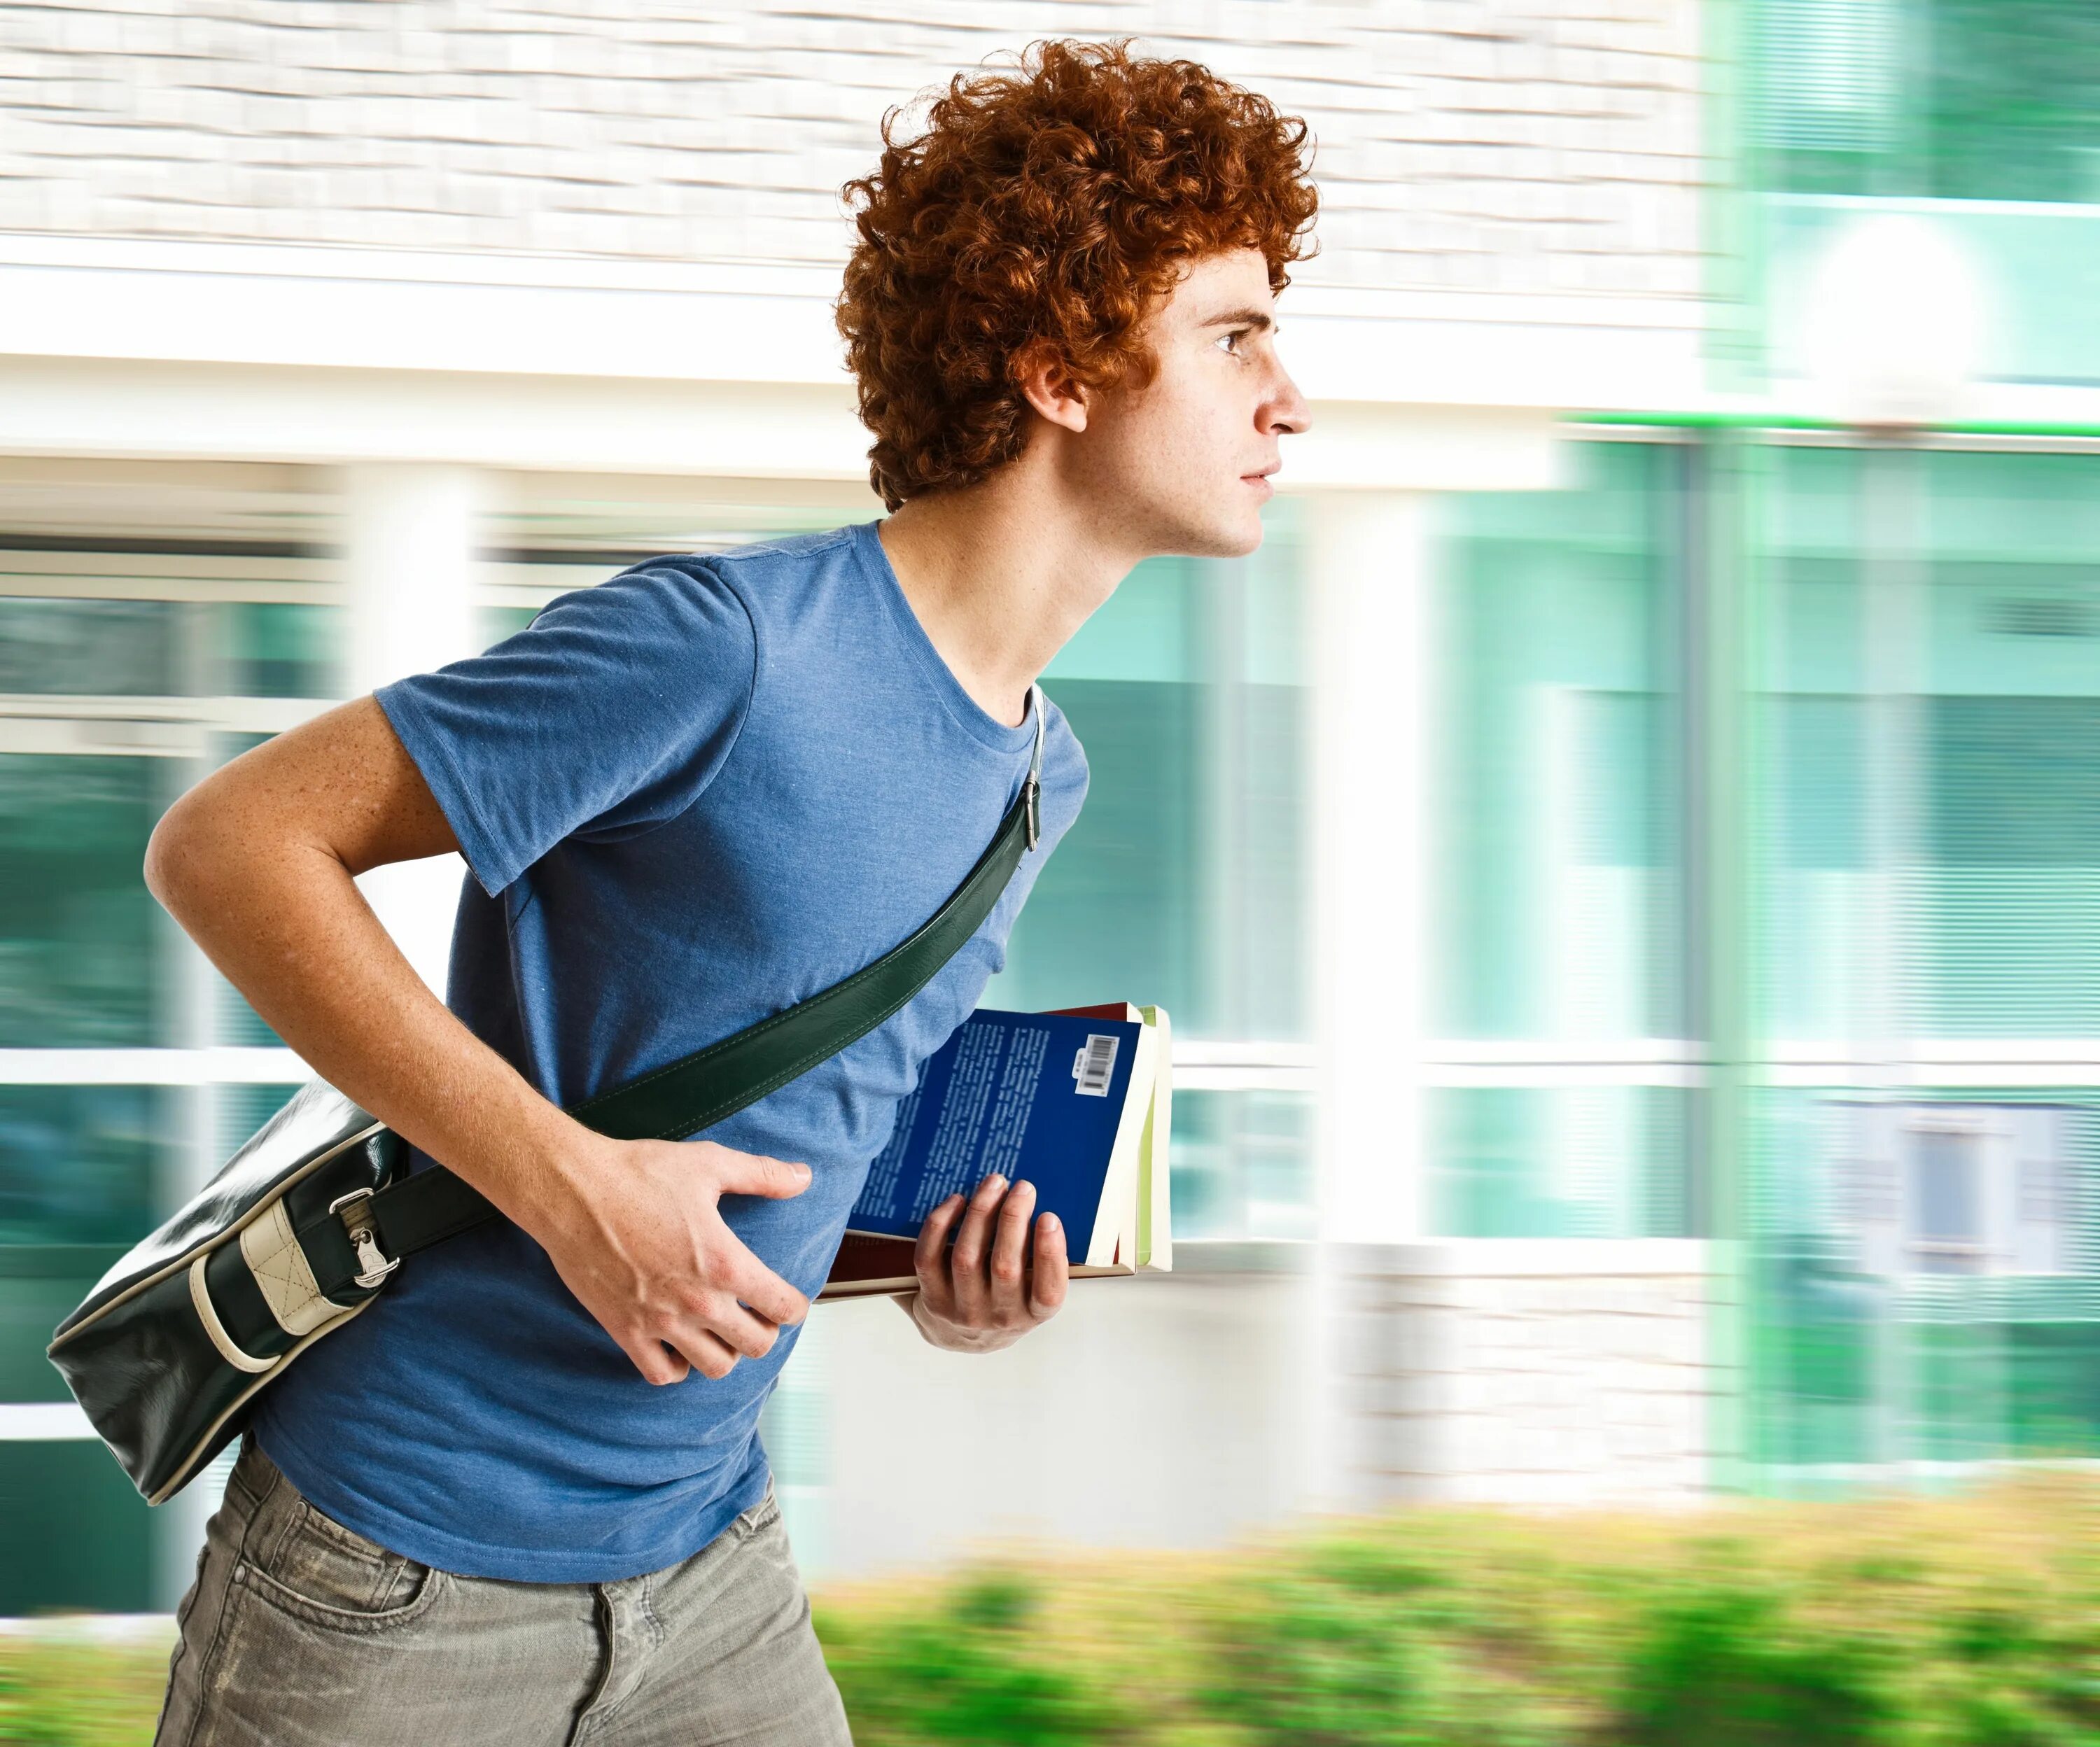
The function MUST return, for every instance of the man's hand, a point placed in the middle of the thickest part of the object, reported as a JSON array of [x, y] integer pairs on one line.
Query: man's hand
[[982, 1295], [636, 1233]]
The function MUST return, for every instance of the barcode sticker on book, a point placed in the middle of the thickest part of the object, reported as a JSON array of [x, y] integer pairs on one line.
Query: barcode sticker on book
[[1093, 1066]]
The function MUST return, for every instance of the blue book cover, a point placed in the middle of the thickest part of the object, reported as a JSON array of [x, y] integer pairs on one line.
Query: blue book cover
[[1040, 1095]]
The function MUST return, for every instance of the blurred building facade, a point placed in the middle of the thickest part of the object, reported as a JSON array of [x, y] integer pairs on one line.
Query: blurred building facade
[[1621, 858]]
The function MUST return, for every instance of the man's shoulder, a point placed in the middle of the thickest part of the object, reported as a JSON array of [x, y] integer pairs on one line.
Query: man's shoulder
[[733, 569], [811, 544], [778, 581]]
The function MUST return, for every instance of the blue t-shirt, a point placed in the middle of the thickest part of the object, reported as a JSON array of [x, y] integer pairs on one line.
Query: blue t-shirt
[[688, 797]]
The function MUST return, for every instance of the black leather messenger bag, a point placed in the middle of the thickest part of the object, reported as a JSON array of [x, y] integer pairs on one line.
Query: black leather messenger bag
[[302, 1228]]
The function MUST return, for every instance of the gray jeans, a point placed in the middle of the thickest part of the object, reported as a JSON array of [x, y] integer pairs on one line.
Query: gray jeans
[[300, 1633]]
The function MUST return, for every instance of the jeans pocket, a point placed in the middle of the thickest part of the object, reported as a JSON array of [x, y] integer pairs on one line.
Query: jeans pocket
[[760, 1516], [328, 1574]]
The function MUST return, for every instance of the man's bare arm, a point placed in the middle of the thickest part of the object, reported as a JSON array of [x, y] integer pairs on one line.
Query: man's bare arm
[[257, 863]]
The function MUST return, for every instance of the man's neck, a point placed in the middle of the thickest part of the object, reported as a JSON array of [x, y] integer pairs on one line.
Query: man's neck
[[1000, 576]]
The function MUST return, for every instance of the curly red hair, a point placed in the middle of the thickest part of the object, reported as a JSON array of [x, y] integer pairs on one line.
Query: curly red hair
[[1040, 217]]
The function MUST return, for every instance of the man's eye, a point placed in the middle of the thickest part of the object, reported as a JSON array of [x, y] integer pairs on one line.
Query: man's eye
[[1238, 333]]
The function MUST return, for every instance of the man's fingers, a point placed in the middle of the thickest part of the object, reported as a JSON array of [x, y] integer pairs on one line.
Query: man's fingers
[[742, 1329], [764, 1291], [1052, 1267], [930, 1256], [930, 1252], [710, 1354], [755, 1174], [656, 1362], [1009, 1248], [977, 1223]]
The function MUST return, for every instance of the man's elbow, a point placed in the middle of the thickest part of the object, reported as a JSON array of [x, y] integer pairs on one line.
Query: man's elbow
[[172, 854], [194, 857]]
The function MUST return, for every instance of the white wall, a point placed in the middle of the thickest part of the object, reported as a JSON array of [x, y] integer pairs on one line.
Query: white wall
[[1168, 1411]]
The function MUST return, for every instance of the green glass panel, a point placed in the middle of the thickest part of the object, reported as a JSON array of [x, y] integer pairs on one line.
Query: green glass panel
[[1555, 902], [285, 650], [1109, 918], [1242, 1165], [78, 964], [1817, 1359], [79, 1164], [238, 1111], [1146, 630], [1954, 100], [494, 623], [106, 648], [1816, 897], [75, 1536], [2055, 1410], [170, 648], [1557, 1161], [1184, 881], [2009, 898], [1927, 730], [1556, 907], [40, 1287]]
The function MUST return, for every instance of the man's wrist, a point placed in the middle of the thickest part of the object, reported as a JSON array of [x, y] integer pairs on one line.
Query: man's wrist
[[952, 1337], [915, 1306], [534, 1167]]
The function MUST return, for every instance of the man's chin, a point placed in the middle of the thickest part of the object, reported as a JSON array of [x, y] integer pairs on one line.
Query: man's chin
[[1248, 538], [1228, 537]]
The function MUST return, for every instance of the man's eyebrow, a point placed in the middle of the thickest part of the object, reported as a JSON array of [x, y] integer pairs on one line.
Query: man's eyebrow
[[1253, 318]]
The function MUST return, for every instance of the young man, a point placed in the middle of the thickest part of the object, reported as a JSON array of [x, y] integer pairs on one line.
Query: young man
[[521, 1499]]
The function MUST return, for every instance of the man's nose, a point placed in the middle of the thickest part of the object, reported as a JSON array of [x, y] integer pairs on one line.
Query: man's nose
[[1289, 410]]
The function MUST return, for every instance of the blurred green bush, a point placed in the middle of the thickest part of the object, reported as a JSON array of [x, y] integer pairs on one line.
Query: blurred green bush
[[1967, 1620]]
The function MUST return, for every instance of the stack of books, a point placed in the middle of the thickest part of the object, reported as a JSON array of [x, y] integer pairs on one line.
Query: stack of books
[[1078, 1102]]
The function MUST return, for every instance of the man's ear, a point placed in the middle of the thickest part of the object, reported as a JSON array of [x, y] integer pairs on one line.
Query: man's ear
[[1052, 394]]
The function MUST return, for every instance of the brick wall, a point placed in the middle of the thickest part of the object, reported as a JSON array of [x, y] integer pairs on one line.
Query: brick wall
[[1547, 147], [1530, 1371]]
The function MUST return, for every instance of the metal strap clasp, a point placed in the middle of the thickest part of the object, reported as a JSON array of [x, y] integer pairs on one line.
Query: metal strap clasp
[[373, 1264], [1034, 785]]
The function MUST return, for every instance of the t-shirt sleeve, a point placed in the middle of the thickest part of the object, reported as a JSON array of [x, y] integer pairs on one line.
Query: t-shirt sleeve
[[607, 715]]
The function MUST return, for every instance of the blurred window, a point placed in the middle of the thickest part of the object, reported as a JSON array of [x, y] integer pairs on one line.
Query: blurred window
[[1950, 99], [1582, 1161], [493, 624], [1924, 737], [1183, 881], [114, 648], [1243, 1165], [79, 1165], [1929, 735], [1559, 815], [1558, 992], [283, 650], [78, 961], [169, 648], [1947, 1200]]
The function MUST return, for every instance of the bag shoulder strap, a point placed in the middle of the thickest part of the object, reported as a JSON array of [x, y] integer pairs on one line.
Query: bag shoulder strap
[[701, 1089]]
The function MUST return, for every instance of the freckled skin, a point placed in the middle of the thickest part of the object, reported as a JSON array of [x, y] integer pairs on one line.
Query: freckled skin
[[1165, 464]]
